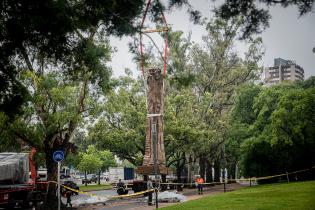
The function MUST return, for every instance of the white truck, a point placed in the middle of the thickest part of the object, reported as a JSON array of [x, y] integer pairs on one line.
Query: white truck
[[123, 173]]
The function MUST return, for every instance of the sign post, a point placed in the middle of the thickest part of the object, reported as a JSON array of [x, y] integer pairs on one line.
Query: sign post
[[155, 161], [58, 156], [58, 178]]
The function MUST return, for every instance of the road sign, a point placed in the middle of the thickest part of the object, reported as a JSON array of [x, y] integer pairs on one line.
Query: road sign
[[58, 156]]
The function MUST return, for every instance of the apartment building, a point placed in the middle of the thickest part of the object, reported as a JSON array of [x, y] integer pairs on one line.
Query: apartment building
[[283, 70]]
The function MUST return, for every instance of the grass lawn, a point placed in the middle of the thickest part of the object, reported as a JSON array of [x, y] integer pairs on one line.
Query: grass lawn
[[293, 196], [91, 187]]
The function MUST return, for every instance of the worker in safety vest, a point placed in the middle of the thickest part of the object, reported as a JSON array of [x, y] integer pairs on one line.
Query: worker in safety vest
[[199, 183]]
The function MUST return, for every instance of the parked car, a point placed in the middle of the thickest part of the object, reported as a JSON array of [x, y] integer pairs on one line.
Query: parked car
[[42, 175], [105, 176], [70, 184], [89, 179]]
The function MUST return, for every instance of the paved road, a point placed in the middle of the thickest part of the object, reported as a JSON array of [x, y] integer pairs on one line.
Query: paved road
[[140, 202], [102, 196]]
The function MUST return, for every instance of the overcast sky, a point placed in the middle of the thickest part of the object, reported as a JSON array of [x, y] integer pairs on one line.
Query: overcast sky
[[289, 36]]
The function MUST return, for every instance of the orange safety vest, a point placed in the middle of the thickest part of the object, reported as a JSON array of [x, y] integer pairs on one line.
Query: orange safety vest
[[199, 180]]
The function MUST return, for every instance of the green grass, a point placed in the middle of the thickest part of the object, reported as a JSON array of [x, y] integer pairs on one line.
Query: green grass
[[293, 196], [91, 187]]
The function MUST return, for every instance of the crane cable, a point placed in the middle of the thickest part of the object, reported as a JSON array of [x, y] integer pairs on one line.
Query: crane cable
[[152, 31]]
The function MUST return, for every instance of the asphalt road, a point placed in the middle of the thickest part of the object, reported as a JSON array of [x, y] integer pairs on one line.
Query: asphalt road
[[140, 203], [101, 197], [121, 204]]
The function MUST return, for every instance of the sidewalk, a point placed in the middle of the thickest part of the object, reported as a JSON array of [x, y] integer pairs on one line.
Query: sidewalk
[[192, 194]]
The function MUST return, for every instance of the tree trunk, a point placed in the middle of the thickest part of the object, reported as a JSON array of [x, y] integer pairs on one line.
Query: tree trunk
[[202, 165], [178, 174], [217, 170], [163, 186], [189, 169], [99, 177], [85, 178], [208, 171], [179, 177], [52, 171], [232, 170]]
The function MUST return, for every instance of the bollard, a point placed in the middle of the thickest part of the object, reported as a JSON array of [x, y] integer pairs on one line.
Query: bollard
[[224, 187]]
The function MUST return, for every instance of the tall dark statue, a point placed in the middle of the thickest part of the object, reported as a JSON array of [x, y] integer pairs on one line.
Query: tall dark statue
[[155, 101]]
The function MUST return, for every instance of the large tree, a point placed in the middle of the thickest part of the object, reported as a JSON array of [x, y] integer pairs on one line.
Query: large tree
[[274, 129], [61, 96], [217, 71], [121, 128], [94, 160], [49, 28]]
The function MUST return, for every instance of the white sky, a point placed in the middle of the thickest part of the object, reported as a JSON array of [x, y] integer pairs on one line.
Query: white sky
[[288, 37]]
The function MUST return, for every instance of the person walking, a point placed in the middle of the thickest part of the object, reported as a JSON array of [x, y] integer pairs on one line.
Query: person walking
[[68, 196], [199, 182], [149, 187]]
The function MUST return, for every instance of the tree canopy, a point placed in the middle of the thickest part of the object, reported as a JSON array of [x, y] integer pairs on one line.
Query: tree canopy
[[272, 128]]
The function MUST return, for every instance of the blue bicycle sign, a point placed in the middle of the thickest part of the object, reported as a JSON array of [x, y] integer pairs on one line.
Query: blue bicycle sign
[[58, 156]]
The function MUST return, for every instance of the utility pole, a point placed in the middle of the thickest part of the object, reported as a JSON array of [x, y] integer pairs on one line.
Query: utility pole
[[154, 135]]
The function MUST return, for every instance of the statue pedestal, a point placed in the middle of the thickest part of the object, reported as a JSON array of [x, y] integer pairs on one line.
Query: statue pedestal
[[149, 170]]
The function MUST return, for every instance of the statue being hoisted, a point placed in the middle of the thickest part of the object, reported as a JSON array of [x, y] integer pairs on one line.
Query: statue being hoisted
[[154, 126]]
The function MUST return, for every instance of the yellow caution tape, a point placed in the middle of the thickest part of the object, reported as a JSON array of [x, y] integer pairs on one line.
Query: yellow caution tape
[[151, 190], [111, 197], [131, 195], [245, 179]]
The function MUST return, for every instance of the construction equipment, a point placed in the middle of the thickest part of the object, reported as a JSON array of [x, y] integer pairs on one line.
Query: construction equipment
[[16, 189]]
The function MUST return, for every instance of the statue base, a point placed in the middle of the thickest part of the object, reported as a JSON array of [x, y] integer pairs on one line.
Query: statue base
[[149, 170]]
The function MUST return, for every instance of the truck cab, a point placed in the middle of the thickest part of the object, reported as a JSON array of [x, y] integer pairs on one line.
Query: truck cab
[[16, 187]]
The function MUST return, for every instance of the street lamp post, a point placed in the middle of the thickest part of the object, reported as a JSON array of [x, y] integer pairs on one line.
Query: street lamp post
[[154, 135]]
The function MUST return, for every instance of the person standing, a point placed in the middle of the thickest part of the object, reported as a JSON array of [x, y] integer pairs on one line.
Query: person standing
[[149, 187], [68, 195], [199, 182]]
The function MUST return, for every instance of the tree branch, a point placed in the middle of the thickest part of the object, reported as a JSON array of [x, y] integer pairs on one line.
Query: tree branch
[[26, 58], [26, 140]]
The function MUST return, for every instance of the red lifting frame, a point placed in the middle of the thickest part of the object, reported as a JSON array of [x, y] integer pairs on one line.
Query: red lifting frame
[[141, 46]]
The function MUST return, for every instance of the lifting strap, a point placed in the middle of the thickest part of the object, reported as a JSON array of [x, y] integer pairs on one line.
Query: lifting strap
[[152, 31]]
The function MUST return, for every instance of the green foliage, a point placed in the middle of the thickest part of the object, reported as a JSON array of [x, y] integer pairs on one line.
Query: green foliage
[[122, 127], [103, 160], [271, 129], [256, 19], [107, 159], [126, 164], [51, 29], [90, 163], [200, 91], [72, 160], [243, 111]]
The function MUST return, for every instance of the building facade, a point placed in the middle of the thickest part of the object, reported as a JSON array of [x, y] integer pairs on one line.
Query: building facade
[[283, 70]]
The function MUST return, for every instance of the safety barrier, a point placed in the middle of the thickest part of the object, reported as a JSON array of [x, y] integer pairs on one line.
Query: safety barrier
[[107, 197], [243, 179], [181, 184]]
